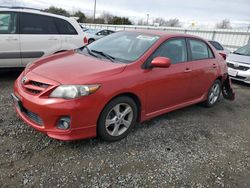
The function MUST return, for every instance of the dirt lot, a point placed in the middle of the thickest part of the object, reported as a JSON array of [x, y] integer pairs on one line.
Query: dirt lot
[[192, 147]]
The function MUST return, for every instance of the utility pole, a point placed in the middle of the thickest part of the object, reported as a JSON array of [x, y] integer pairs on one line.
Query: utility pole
[[147, 18], [94, 10], [248, 29]]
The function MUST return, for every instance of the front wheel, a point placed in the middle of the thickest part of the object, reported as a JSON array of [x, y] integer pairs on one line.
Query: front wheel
[[117, 119], [213, 94]]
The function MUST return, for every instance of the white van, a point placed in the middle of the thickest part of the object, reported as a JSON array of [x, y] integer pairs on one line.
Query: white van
[[27, 34]]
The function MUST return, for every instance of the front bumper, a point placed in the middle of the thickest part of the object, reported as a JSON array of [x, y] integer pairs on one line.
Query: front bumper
[[43, 113], [240, 75]]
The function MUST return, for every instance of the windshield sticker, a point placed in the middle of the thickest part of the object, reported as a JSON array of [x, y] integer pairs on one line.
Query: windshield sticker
[[146, 37]]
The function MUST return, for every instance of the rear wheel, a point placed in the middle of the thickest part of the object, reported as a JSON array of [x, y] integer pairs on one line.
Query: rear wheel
[[213, 94], [117, 119]]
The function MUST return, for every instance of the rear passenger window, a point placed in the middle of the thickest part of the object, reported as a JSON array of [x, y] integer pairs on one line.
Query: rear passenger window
[[37, 24], [174, 49], [65, 28], [200, 50], [8, 23]]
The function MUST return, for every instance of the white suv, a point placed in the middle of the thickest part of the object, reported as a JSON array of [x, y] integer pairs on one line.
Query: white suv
[[27, 34]]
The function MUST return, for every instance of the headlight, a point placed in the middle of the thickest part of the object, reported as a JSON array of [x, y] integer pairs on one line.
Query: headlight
[[73, 91]]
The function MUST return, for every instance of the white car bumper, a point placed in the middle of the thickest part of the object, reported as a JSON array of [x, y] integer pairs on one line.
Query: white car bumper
[[239, 71]]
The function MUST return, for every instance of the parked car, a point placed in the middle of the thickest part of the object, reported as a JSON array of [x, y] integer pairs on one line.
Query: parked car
[[84, 28], [219, 47], [92, 35], [109, 85], [238, 64], [27, 34]]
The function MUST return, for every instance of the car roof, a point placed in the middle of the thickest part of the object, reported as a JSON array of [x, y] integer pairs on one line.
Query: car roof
[[30, 10], [161, 33]]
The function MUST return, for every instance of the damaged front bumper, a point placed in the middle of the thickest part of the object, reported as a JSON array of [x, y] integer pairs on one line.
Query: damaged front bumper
[[227, 89]]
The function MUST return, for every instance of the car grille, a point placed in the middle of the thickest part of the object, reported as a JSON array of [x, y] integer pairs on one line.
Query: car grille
[[240, 67], [35, 87], [240, 77], [34, 117]]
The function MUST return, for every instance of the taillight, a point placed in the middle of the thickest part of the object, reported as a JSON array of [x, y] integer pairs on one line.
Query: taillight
[[85, 40]]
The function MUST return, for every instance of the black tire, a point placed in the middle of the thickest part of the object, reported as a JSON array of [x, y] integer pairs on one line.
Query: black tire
[[209, 102], [90, 41], [105, 132]]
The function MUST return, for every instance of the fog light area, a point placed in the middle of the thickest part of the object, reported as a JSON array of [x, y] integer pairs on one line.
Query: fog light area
[[63, 123]]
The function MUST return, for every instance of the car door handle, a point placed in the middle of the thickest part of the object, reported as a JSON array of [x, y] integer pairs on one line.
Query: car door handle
[[11, 39], [187, 70], [52, 38], [214, 66]]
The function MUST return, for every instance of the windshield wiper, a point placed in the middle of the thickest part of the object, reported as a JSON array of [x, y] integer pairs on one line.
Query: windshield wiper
[[107, 56], [89, 51], [238, 53]]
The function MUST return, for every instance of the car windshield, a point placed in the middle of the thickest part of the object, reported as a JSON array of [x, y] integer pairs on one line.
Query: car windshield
[[245, 50], [216, 45], [125, 46]]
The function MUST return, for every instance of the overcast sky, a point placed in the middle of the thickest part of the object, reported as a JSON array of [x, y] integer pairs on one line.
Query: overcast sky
[[200, 11]]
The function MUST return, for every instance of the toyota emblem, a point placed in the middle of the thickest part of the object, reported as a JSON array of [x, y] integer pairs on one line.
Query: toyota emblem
[[24, 80]]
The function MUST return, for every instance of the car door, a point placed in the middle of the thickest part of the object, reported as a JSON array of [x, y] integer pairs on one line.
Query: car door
[[38, 37], [9, 40], [168, 87], [203, 67], [69, 36]]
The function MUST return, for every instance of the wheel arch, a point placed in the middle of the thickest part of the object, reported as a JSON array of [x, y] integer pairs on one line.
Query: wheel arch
[[130, 95], [219, 78]]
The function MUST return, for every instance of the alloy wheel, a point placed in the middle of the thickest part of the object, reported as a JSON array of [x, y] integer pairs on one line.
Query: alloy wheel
[[214, 93], [119, 119]]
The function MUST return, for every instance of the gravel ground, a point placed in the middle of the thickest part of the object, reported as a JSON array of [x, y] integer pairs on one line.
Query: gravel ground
[[191, 147]]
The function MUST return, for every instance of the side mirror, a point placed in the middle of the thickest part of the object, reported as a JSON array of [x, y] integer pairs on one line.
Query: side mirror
[[223, 55], [161, 62]]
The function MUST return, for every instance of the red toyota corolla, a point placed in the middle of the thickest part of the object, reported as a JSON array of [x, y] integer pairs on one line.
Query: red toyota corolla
[[106, 87]]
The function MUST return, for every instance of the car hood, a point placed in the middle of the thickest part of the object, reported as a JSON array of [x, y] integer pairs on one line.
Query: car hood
[[239, 58], [74, 68]]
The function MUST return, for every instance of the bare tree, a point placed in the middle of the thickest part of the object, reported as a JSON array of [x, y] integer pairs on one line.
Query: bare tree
[[159, 21], [174, 22], [107, 17], [224, 24], [141, 22]]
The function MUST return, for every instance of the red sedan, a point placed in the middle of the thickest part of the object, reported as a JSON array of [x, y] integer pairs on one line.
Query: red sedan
[[109, 85]]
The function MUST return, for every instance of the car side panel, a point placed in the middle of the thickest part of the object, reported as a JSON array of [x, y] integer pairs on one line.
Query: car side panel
[[10, 50], [10, 44], [204, 73], [167, 87], [36, 46]]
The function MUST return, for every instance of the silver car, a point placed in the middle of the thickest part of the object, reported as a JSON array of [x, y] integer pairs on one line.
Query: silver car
[[219, 47], [238, 64], [92, 35]]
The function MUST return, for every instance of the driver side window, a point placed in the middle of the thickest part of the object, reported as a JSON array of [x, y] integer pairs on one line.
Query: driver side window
[[174, 49]]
